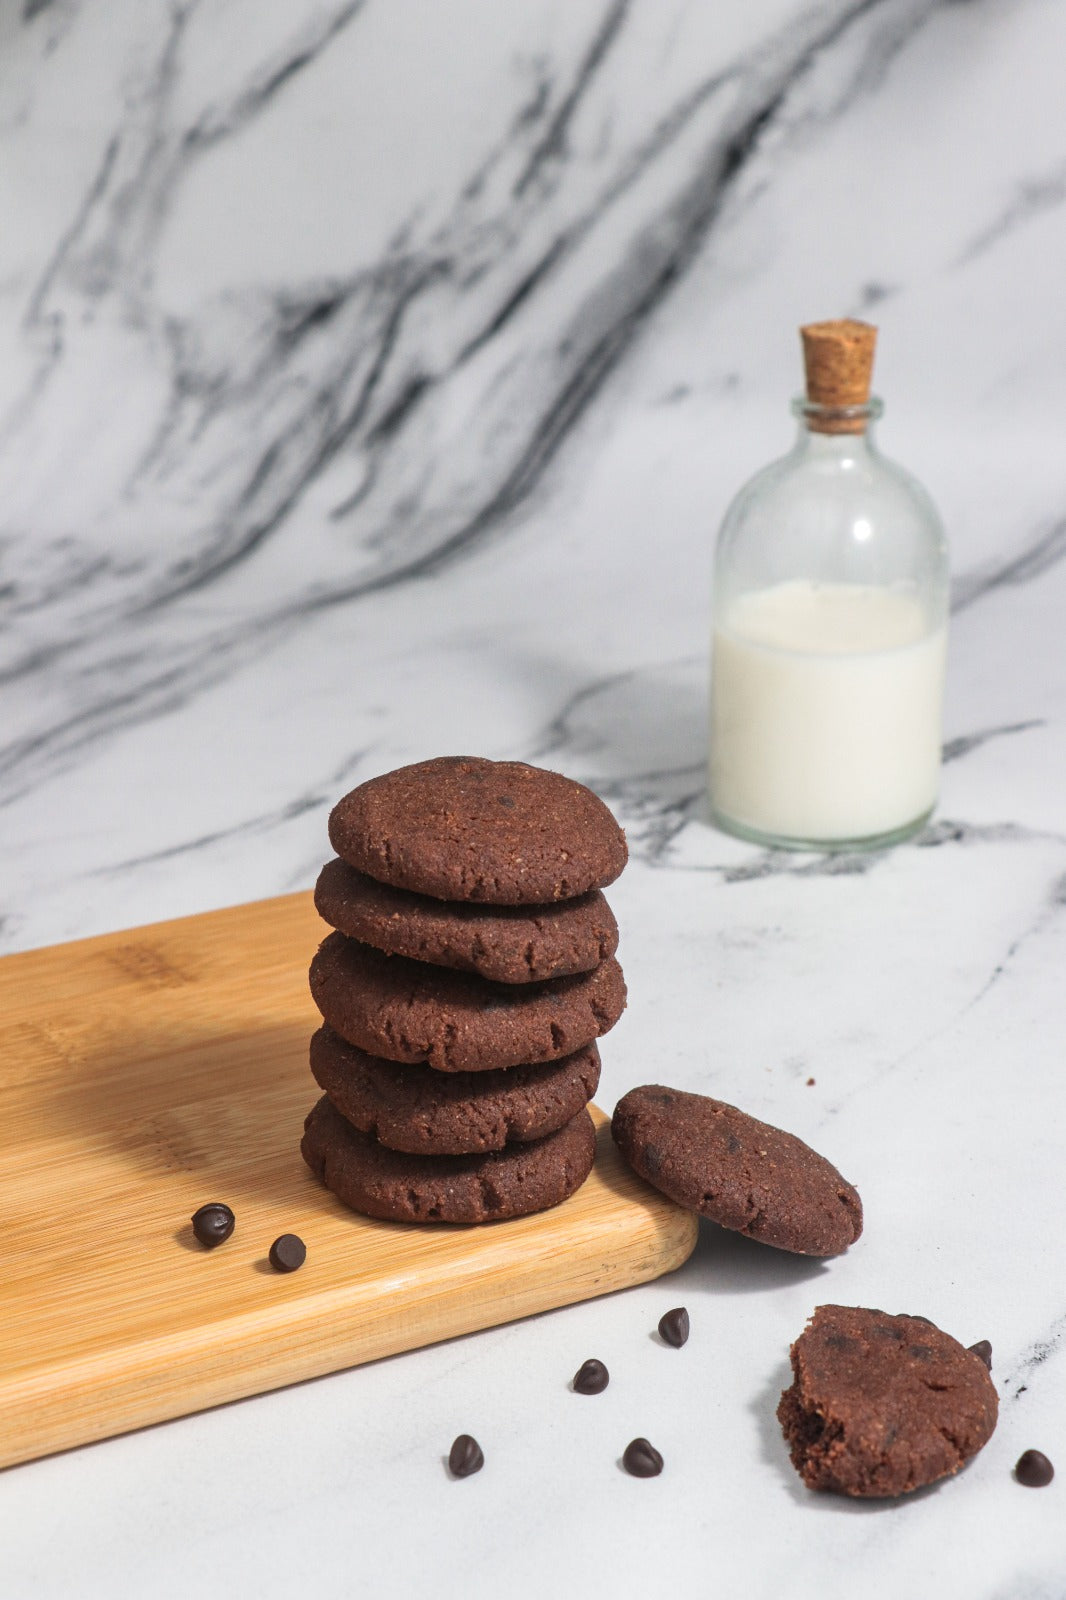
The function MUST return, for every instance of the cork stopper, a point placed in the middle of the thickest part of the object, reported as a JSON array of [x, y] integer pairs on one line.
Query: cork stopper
[[838, 358]]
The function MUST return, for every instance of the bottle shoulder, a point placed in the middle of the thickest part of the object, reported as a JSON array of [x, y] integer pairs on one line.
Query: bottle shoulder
[[913, 490], [801, 477], [832, 510]]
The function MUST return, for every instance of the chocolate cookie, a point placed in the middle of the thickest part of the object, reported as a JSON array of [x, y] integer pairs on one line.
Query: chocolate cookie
[[456, 1021], [477, 1188], [456, 1113], [881, 1405], [743, 1174], [509, 944], [463, 828]]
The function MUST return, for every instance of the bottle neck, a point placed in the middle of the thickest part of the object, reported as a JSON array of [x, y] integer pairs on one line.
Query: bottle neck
[[837, 431]]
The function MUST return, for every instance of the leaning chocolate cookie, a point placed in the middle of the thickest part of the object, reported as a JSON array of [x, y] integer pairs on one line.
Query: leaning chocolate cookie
[[464, 828], [883, 1404], [509, 944], [406, 1011], [416, 1109], [744, 1174], [396, 1187]]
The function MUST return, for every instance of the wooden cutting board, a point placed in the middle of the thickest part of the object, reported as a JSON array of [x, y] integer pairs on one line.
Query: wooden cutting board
[[145, 1073]]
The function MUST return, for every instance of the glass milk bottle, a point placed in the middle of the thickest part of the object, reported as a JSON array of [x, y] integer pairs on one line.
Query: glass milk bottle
[[830, 628]]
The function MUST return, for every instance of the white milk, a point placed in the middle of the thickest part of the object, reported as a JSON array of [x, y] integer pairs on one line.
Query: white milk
[[825, 711]]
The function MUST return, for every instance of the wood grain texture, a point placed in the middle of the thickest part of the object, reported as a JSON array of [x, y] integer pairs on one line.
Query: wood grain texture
[[145, 1073]]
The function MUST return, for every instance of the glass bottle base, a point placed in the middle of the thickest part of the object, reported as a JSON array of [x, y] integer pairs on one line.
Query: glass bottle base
[[782, 841]]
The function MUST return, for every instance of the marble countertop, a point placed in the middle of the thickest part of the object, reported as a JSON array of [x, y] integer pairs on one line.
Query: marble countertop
[[373, 380]]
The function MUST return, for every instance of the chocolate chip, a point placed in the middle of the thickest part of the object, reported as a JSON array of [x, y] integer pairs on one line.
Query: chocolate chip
[[984, 1350], [287, 1253], [839, 1341], [465, 1457], [213, 1224], [1033, 1469], [641, 1459], [673, 1327], [591, 1377]]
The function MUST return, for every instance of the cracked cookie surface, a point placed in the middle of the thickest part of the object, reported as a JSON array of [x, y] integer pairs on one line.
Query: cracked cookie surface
[[465, 828], [881, 1405], [416, 1109], [509, 944], [744, 1174], [397, 1187], [456, 1021]]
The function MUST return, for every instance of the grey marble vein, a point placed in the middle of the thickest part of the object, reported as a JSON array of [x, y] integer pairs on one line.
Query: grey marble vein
[[309, 467], [1046, 914], [321, 374], [943, 831], [1033, 198], [319, 799], [272, 74], [638, 738], [1042, 552], [551, 146], [1022, 1372], [963, 744]]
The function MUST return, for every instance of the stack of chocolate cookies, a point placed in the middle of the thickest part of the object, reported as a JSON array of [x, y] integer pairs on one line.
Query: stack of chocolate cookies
[[470, 974]]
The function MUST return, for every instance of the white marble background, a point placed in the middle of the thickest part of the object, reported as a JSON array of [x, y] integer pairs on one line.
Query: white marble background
[[372, 379]]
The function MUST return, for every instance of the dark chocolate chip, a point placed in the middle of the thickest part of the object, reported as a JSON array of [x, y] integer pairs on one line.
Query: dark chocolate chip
[[591, 1377], [287, 1253], [673, 1327], [839, 1341], [984, 1350], [465, 1457], [1034, 1469], [213, 1224], [642, 1460]]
